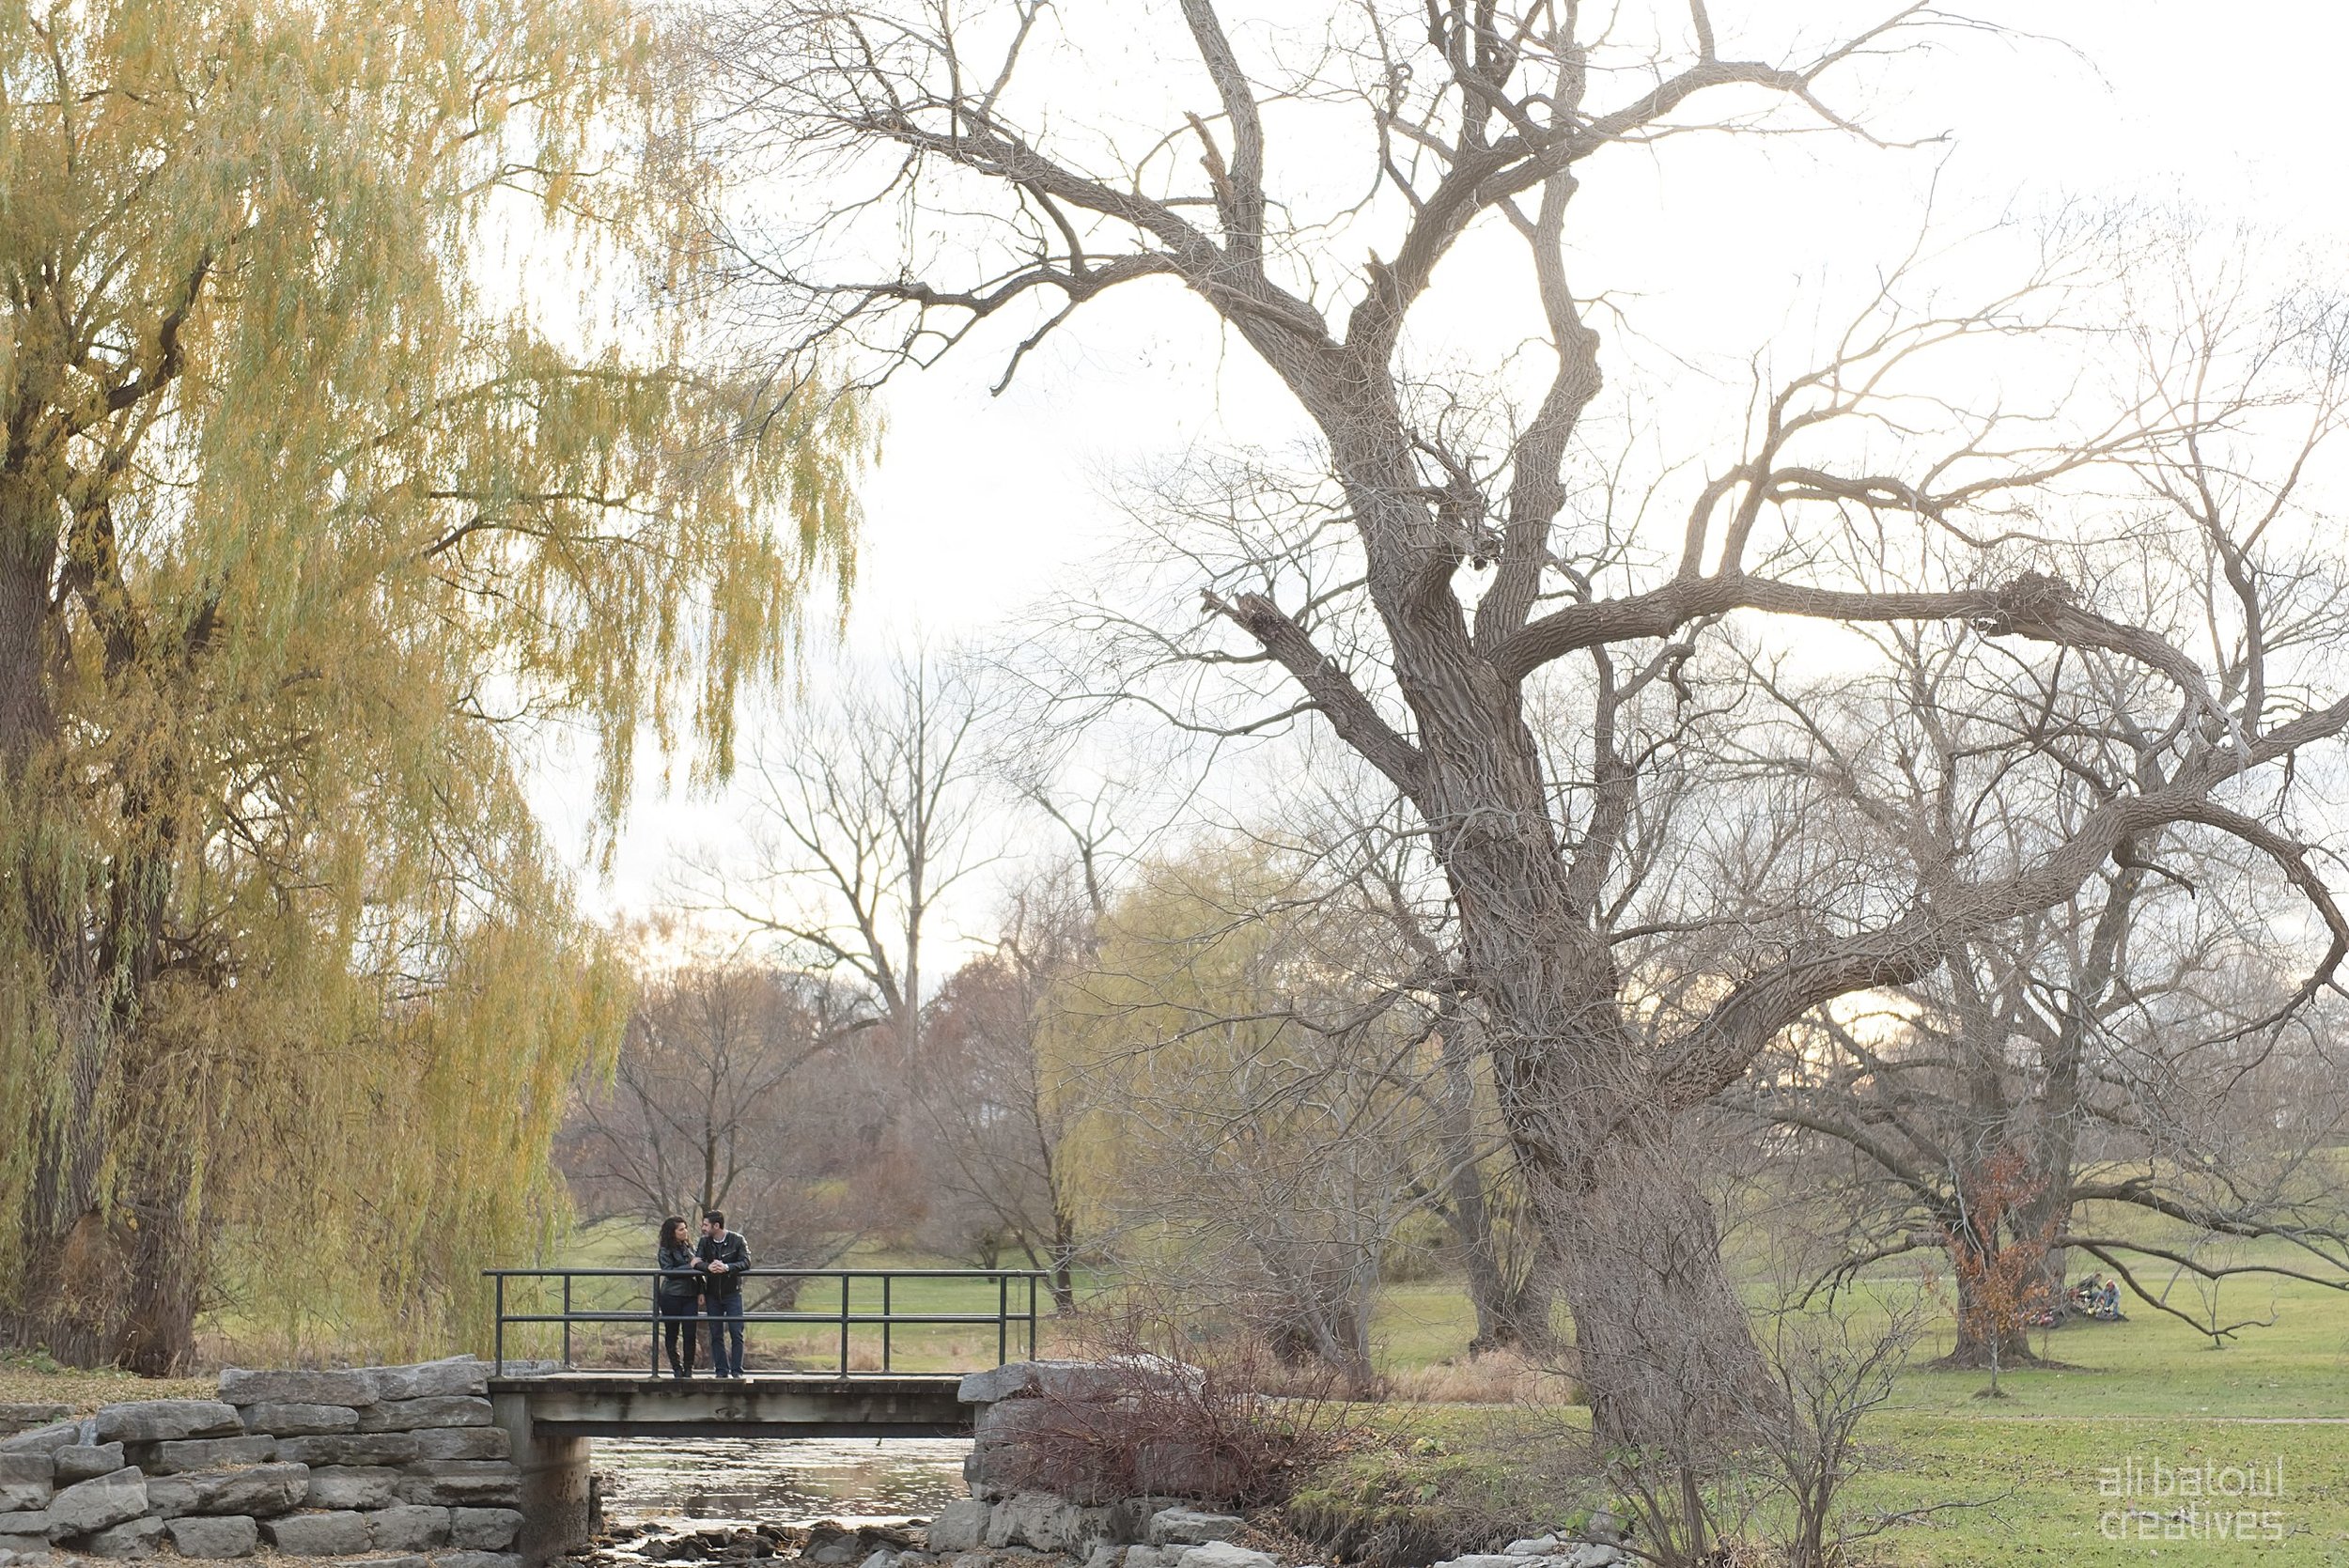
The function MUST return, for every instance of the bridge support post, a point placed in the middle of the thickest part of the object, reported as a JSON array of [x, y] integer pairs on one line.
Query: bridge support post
[[555, 1481]]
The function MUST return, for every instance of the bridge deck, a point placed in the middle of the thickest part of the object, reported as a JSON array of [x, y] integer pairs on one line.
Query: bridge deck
[[764, 1404]]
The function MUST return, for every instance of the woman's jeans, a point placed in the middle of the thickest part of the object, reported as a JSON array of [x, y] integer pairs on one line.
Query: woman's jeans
[[676, 1324], [725, 1325]]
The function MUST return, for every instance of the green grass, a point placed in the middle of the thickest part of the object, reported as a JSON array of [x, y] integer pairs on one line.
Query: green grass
[[2146, 1389]]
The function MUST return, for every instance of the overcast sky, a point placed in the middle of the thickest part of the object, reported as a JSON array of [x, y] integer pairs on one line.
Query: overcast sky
[[981, 504]]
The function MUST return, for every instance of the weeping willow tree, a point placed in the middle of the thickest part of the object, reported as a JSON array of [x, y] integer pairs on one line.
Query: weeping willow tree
[[319, 508], [1245, 1093]]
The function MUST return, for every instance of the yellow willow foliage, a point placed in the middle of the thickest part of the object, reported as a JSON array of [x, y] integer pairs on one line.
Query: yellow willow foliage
[[328, 484]]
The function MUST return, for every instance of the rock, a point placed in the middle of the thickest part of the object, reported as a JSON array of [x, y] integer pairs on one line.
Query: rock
[[408, 1527], [1007, 1419], [1180, 1467], [458, 1374], [300, 1420], [27, 1481], [350, 1486], [476, 1559], [1539, 1546], [1487, 1560], [1153, 1557], [405, 1559], [207, 1453], [162, 1421], [463, 1483], [365, 1448], [407, 1415], [261, 1490], [170, 1496], [960, 1526], [336, 1534], [22, 1548], [20, 1416], [459, 1442], [992, 1472], [1105, 1556], [1038, 1519], [484, 1529], [1082, 1380], [131, 1538], [83, 1461], [214, 1536], [299, 1385], [28, 1525], [1596, 1554], [883, 1556], [1188, 1527], [98, 1503], [1084, 1530], [1222, 1554], [43, 1439]]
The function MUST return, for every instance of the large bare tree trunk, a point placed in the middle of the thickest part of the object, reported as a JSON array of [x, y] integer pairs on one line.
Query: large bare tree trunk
[[1663, 1346], [1513, 1304], [26, 555]]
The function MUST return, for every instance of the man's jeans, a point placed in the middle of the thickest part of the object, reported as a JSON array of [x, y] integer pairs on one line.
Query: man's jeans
[[725, 1332]]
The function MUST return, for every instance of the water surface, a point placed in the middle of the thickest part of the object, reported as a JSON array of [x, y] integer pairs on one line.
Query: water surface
[[674, 1483]]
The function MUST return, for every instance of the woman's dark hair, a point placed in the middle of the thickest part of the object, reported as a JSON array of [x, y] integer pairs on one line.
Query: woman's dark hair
[[672, 1230]]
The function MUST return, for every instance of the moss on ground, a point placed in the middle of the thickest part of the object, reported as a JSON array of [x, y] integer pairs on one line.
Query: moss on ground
[[1430, 1481]]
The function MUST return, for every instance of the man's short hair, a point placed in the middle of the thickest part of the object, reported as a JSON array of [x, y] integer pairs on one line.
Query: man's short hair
[[717, 1218]]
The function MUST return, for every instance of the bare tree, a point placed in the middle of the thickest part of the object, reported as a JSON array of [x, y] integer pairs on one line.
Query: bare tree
[[994, 1120], [1380, 883], [722, 1099], [862, 815], [1477, 569], [2117, 1043]]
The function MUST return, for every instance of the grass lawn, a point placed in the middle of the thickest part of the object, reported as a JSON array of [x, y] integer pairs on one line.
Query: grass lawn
[[2136, 1393]]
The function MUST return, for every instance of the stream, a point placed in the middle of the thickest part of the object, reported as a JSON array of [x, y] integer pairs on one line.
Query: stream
[[670, 1484]]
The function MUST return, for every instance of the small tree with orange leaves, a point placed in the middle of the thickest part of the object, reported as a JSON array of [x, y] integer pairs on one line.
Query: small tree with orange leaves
[[2001, 1277]]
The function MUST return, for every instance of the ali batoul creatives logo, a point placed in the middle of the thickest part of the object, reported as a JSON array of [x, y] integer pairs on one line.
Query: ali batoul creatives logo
[[2153, 1498]]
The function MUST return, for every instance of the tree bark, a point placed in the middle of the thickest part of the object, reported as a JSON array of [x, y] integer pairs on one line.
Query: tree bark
[[27, 639], [1972, 1351], [1510, 1310], [1663, 1348]]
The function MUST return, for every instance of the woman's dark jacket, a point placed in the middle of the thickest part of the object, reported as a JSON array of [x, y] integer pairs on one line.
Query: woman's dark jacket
[[677, 1289]]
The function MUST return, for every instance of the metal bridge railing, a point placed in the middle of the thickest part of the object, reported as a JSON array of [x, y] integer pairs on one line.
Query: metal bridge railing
[[1010, 1311]]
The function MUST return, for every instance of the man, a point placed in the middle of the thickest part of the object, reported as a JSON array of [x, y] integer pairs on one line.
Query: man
[[724, 1258]]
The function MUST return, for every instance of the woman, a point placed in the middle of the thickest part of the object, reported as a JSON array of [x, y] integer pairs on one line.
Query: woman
[[677, 1299]]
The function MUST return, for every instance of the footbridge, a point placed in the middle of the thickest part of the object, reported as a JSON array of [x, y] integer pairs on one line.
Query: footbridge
[[827, 1353]]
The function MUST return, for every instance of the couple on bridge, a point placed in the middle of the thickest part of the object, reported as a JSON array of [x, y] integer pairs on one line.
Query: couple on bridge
[[701, 1278]]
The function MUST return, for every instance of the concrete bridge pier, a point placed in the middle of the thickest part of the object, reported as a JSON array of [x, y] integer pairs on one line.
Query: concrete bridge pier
[[555, 1479]]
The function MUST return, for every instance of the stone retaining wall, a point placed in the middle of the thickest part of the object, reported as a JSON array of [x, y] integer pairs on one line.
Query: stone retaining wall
[[1101, 1532], [397, 1467]]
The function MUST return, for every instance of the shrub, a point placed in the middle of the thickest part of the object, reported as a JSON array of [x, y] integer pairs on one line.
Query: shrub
[[1229, 1426]]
